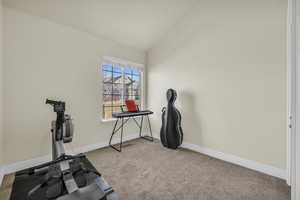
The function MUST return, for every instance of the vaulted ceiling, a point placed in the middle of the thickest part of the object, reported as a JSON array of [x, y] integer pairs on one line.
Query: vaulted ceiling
[[136, 23]]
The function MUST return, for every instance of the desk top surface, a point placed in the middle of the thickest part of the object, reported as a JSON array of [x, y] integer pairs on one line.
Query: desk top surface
[[132, 114]]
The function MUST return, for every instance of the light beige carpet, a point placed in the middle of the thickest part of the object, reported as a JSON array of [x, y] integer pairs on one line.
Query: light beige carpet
[[147, 171]]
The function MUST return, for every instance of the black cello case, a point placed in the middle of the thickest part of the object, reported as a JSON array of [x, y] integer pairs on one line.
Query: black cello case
[[171, 134]]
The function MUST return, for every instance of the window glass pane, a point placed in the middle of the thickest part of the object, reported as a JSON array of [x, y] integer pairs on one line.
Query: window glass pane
[[107, 112], [136, 78], [129, 97], [107, 68], [135, 97], [136, 91], [135, 72], [117, 100], [127, 90], [132, 97], [136, 85], [107, 100], [128, 71], [107, 76], [127, 79], [119, 84], [117, 78], [117, 109], [107, 88], [137, 101], [118, 89], [117, 69], [127, 85]]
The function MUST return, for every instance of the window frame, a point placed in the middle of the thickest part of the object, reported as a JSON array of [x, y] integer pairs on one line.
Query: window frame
[[124, 65]]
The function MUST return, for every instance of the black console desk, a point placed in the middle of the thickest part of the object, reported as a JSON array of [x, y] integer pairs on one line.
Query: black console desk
[[124, 117]]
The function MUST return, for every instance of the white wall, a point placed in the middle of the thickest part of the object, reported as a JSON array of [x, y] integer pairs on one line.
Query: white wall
[[133, 25], [227, 61], [44, 59], [1, 90], [298, 100]]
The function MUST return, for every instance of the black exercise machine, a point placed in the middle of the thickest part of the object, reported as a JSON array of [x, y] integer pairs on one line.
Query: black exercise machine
[[66, 177]]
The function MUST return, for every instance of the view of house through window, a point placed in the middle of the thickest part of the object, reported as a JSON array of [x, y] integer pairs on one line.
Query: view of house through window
[[119, 84]]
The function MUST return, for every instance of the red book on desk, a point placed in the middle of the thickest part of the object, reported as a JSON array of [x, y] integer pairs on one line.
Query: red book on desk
[[131, 106]]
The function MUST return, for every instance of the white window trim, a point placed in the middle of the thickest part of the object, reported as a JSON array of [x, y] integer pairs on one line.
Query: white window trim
[[123, 62], [143, 86]]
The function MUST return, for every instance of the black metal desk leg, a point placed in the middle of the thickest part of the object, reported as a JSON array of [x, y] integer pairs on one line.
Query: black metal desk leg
[[150, 127], [149, 138], [113, 132], [122, 134], [141, 126]]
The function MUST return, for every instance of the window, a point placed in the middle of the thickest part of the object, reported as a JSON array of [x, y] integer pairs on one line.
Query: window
[[120, 82]]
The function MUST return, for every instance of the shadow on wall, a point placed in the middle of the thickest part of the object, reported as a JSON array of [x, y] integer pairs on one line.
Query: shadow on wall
[[191, 123]]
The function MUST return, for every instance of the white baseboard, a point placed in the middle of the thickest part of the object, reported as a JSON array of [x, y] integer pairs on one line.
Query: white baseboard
[[263, 168], [266, 169], [100, 145], [14, 167]]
